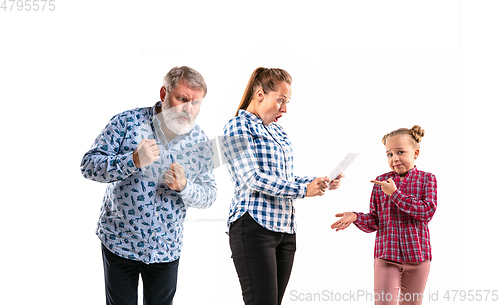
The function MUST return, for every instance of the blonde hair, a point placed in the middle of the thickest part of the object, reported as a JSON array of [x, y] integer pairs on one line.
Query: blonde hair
[[415, 135], [264, 78]]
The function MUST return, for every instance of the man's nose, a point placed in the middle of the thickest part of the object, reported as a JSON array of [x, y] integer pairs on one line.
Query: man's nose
[[187, 107]]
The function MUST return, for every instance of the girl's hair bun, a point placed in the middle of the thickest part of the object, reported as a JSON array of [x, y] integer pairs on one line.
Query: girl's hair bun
[[417, 133]]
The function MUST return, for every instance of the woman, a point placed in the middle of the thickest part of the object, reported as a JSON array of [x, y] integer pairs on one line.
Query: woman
[[260, 161]]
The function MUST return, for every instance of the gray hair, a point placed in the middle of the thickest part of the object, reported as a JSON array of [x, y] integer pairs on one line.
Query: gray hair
[[191, 77]]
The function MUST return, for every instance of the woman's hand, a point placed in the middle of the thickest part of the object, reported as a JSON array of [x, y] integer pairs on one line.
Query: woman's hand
[[317, 187], [335, 183], [345, 221]]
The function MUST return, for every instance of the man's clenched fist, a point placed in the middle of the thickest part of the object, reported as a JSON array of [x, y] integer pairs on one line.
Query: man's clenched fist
[[146, 153]]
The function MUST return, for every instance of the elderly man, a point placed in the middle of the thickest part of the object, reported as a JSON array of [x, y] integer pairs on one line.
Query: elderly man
[[157, 163]]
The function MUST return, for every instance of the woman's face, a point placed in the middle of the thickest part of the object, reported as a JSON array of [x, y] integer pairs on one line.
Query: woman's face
[[272, 105]]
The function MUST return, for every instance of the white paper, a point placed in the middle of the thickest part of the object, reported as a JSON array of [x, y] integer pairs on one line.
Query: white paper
[[343, 165]]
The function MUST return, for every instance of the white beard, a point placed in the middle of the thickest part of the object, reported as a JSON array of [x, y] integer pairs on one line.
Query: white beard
[[173, 120]]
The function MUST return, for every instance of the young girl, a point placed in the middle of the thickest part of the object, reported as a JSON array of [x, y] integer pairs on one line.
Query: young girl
[[402, 203]]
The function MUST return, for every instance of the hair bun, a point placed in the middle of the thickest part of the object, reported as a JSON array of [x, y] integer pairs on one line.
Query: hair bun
[[417, 133]]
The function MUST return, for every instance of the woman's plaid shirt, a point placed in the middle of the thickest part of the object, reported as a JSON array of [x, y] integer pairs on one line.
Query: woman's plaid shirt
[[260, 162], [401, 220]]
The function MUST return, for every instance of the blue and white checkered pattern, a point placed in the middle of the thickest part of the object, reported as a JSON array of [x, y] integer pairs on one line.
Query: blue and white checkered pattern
[[260, 162]]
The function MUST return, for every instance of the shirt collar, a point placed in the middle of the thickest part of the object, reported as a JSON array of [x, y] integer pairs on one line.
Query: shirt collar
[[410, 172], [249, 115], [158, 104], [413, 170]]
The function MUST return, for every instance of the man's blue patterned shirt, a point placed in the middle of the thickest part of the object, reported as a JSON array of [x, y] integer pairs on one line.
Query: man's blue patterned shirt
[[141, 217]]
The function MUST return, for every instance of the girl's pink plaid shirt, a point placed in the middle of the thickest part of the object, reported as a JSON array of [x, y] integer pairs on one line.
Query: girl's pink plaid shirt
[[401, 220]]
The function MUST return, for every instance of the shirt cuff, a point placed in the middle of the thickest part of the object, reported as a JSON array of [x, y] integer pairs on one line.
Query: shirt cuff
[[187, 192], [302, 190], [396, 196], [128, 166], [357, 217]]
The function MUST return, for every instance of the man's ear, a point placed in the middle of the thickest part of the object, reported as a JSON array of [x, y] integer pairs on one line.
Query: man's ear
[[163, 93]]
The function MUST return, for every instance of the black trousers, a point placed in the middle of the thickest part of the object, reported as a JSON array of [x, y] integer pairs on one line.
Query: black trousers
[[263, 261], [121, 277]]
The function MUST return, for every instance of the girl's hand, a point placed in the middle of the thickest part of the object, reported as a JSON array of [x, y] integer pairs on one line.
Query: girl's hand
[[335, 183], [317, 187], [388, 187], [345, 221]]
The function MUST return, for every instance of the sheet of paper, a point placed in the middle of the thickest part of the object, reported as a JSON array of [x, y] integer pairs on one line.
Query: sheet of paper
[[343, 165]]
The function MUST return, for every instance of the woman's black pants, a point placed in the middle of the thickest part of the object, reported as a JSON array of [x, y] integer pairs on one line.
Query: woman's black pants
[[263, 260]]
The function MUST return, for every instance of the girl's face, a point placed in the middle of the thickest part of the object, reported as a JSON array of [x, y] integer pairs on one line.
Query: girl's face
[[272, 106], [401, 154]]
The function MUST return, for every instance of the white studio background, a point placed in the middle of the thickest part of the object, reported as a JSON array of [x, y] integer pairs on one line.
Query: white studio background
[[360, 69]]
